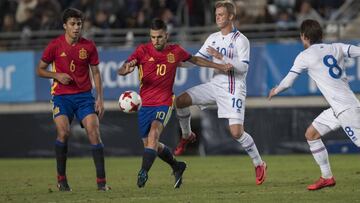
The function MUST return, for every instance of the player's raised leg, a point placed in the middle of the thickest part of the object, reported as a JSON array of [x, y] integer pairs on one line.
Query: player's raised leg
[[247, 142], [91, 124], [178, 167], [320, 155], [183, 114], [61, 149]]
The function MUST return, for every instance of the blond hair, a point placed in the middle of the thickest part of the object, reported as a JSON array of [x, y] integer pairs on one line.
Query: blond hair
[[229, 5]]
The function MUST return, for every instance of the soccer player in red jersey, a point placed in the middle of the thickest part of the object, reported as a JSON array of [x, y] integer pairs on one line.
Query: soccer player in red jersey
[[157, 62], [72, 57]]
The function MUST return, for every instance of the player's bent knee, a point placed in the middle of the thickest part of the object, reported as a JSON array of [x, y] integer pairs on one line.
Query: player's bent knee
[[182, 101], [236, 131], [312, 134]]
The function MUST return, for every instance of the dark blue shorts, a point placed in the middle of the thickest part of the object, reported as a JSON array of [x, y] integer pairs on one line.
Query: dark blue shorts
[[148, 114], [80, 105]]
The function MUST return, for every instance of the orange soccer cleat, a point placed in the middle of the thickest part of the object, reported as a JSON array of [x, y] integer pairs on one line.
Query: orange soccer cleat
[[180, 148], [260, 172], [321, 183]]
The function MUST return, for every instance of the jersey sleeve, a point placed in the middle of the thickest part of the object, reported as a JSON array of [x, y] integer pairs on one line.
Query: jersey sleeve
[[136, 54], [202, 51], [183, 54], [298, 67], [243, 50], [349, 50], [94, 55], [300, 64], [240, 63], [48, 55]]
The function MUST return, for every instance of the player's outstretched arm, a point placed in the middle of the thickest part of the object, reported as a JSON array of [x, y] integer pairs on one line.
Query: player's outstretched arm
[[206, 63], [127, 67], [286, 83], [42, 71], [238, 65]]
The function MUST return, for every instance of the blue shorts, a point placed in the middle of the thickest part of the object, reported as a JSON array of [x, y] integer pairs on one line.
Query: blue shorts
[[148, 114], [80, 105]]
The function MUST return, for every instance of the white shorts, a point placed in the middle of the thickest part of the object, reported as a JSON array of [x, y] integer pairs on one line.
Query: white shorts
[[349, 120], [229, 106]]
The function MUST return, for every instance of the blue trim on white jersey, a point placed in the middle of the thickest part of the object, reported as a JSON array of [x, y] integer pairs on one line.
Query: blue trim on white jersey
[[294, 72], [208, 57], [247, 62], [348, 51]]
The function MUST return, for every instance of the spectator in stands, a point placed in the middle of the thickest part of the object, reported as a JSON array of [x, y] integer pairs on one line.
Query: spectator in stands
[[308, 12], [242, 17], [86, 6], [31, 22], [9, 24], [49, 21], [6, 7], [284, 20], [23, 10], [168, 17], [101, 19], [264, 16]]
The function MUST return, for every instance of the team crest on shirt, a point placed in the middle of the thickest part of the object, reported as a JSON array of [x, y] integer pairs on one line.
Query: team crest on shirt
[[231, 45], [171, 58], [213, 43], [83, 54]]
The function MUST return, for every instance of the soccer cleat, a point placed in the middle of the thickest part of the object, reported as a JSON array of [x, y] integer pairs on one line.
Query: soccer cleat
[[142, 178], [178, 173], [103, 187], [63, 186], [260, 172], [180, 148], [101, 184], [321, 183]]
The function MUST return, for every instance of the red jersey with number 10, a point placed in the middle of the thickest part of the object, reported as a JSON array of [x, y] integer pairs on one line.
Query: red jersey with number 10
[[157, 71], [73, 60]]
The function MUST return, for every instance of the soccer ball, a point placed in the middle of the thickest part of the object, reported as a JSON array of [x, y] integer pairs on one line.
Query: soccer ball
[[129, 102]]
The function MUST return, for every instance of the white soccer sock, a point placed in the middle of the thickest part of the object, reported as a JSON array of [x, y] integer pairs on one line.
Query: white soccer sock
[[184, 117], [321, 157], [248, 144]]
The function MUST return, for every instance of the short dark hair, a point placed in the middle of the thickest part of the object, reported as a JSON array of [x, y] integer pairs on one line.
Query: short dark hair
[[312, 30], [72, 13], [158, 24]]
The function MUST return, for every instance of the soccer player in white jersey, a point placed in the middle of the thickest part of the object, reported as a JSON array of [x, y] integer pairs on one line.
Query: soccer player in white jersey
[[325, 65], [226, 90]]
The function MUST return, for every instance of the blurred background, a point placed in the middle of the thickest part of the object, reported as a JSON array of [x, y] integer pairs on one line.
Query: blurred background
[[118, 26]]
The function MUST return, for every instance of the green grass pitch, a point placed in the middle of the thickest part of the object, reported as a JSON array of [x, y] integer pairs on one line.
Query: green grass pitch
[[207, 179]]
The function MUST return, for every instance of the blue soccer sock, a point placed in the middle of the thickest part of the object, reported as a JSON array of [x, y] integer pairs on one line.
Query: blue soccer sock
[[61, 149], [168, 157], [148, 158], [99, 161]]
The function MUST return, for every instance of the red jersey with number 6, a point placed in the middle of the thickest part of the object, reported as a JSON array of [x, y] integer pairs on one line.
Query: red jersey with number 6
[[157, 71], [73, 60]]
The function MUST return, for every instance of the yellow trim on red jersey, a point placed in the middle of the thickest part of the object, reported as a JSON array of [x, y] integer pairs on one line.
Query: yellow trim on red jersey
[[141, 74], [55, 83]]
